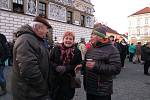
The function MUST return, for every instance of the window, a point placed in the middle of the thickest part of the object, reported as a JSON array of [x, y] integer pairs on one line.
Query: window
[[146, 31], [42, 9], [69, 17], [18, 6], [138, 22], [146, 21], [138, 31], [82, 20]]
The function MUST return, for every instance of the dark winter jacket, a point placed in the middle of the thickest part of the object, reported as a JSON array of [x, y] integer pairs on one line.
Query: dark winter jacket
[[30, 67], [146, 54], [123, 50], [98, 81], [143, 52], [3, 49], [61, 83]]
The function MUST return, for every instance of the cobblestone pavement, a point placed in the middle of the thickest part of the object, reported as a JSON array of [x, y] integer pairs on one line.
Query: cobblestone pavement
[[130, 84]]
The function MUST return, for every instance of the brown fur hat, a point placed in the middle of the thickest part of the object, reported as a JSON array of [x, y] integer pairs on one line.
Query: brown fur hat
[[42, 20]]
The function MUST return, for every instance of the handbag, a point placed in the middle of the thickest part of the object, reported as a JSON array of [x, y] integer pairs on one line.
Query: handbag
[[75, 81]]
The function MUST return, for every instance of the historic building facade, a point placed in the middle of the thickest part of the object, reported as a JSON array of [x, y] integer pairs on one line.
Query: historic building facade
[[139, 26], [64, 15]]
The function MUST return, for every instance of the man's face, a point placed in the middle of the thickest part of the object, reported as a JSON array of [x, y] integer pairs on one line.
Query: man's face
[[148, 44], [95, 38], [111, 39], [42, 31], [68, 41]]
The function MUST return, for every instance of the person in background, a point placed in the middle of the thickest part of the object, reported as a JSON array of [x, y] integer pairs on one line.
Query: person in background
[[112, 39], [132, 50], [146, 58], [138, 53], [10, 59], [64, 58], [88, 45], [82, 48], [31, 65], [3, 56], [102, 61], [123, 51], [143, 53]]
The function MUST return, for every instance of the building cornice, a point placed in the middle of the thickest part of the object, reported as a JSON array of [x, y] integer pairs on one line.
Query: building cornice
[[45, 18], [71, 7]]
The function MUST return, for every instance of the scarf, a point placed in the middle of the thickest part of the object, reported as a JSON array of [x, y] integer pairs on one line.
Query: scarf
[[101, 43], [67, 54]]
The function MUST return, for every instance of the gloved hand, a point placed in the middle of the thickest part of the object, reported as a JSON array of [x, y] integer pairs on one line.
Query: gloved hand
[[61, 69]]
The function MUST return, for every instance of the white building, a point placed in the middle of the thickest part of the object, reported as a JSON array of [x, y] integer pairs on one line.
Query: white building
[[139, 26], [63, 15]]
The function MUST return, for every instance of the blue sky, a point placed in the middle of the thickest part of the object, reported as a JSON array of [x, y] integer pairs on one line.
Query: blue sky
[[114, 13]]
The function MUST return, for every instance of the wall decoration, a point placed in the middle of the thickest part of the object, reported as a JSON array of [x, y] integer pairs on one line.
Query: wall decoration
[[31, 7], [90, 21], [66, 2], [4, 4], [57, 12]]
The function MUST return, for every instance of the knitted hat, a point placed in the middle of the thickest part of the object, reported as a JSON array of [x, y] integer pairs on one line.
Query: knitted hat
[[42, 20], [100, 31]]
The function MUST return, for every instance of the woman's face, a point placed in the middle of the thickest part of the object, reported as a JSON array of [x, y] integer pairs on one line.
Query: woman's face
[[68, 41]]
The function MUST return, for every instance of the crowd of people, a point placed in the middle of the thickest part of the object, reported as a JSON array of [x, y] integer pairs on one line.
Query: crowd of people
[[40, 73]]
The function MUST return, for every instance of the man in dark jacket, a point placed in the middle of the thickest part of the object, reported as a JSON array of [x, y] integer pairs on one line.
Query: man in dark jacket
[[146, 51], [31, 62], [102, 62], [3, 57]]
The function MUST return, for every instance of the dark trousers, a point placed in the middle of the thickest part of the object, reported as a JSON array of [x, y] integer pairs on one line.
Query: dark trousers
[[2, 78], [122, 57], [146, 67], [131, 55], [95, 97]]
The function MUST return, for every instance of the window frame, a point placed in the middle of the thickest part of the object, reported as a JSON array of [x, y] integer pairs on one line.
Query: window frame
[[146, 20], [18, 6], [69, 17], [42, 10], [82, 19]]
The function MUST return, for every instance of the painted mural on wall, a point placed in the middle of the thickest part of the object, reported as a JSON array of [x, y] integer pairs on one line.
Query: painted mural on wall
[[31, 7], [4, 4], [57, 12], [90, 21]]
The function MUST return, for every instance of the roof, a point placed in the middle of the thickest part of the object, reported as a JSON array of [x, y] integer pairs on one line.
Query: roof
[[142, 11]]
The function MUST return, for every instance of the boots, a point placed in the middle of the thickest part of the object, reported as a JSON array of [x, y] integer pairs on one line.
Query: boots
[[3, 89]]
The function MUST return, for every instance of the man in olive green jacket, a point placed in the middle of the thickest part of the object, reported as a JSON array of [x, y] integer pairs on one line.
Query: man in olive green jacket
[[31, 62]]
